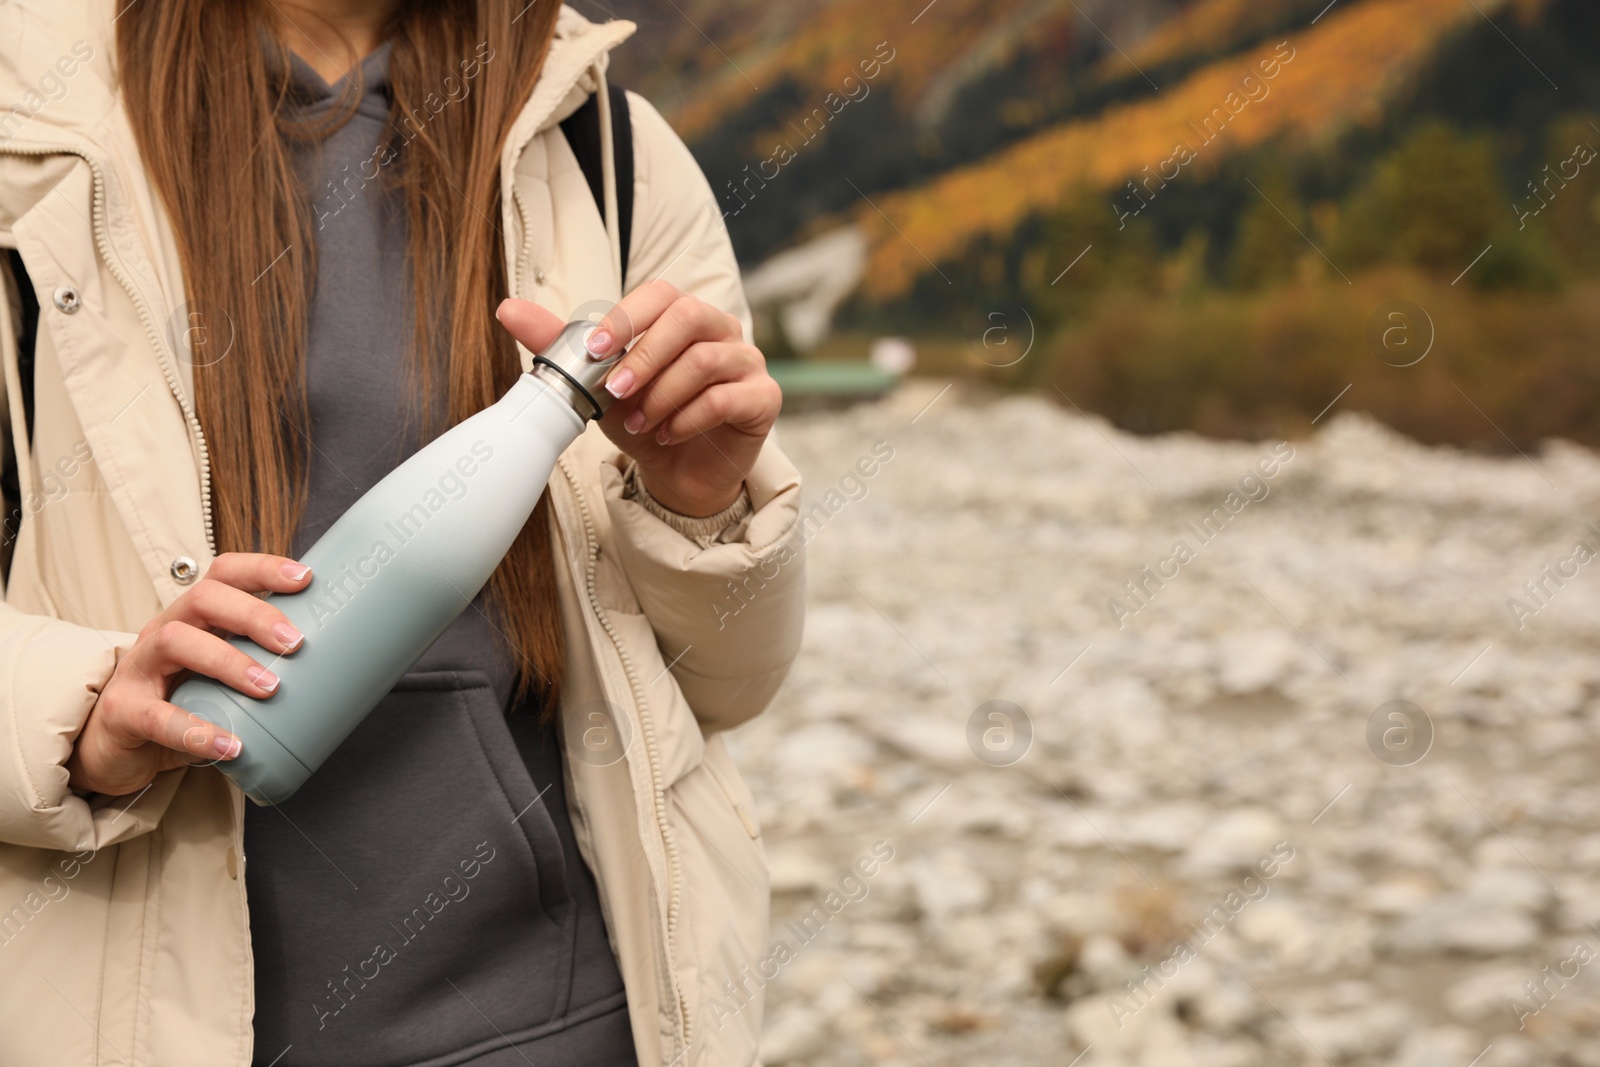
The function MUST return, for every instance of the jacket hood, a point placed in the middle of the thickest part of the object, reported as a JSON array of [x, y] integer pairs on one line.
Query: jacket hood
[[58, 83]]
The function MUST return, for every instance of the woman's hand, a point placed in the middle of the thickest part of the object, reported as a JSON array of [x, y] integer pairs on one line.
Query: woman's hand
[[133, 733], [694, 400]]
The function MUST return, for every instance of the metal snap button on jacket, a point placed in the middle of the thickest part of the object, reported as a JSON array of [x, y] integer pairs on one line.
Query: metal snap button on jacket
[[185, 570], [67, 300]]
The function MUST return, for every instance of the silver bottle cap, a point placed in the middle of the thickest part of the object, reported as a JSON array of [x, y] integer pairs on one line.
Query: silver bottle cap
[[568, 365]]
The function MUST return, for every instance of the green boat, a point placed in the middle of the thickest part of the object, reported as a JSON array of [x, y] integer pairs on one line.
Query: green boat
[[831, 379]]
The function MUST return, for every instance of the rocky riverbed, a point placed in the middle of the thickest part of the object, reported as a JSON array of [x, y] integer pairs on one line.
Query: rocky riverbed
[[1198, 829]]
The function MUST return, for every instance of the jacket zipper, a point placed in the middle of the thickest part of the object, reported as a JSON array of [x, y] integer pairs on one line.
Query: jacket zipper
[[591, 551], [653, 758], [174, 382]]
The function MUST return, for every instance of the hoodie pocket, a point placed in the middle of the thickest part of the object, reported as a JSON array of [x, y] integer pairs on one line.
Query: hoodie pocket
[[413, 893]]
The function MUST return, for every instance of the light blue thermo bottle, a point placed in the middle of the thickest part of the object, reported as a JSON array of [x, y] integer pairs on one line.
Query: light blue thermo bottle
[[397, 569]]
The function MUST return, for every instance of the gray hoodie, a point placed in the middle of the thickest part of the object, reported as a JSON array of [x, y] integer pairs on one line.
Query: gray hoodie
[[421, 901]]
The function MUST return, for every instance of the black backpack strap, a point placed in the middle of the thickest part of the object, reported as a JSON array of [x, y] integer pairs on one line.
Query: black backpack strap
[[582, 129], [27, 328], [27, 333]]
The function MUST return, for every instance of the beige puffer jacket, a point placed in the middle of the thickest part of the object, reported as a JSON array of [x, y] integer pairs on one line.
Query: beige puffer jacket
[[124, 935]]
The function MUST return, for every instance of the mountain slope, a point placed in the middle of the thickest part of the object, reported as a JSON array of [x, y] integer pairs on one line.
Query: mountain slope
[[1341, 72]]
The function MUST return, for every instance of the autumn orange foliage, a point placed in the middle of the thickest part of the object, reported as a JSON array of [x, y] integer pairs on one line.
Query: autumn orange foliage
[[1203, 25], [829, 42], [1343, 70]]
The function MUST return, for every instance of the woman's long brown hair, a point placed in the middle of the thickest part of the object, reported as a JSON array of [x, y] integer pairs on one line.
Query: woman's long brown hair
[[207, 97]]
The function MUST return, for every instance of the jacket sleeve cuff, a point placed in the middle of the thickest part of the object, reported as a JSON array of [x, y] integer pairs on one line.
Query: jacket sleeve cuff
[[732, 611], [723, 527], [51, 675]]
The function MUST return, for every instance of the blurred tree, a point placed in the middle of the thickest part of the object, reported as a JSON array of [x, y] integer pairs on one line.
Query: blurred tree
[[1525, 260], [1183, 273], [1433, 202], [1115, 256], [1267, 246], [1572, 216]]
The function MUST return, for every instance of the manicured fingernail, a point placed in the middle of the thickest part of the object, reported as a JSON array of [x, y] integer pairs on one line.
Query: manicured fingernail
[[290, 637], [295, 571], [501, 306], [226, 747], [663, 437], [599, 343], [634, 423], [262, 677], [619, 383]]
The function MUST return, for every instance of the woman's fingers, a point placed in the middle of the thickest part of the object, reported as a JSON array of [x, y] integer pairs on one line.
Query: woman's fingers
[[177, 646], [167, 725], [656, 319], [669, 330], [133, 732], [750, 406], [179, 639], [534, 326], [633, 314], [185, 732], [683, 351], [256, 572], [216, 605], [702, 365]]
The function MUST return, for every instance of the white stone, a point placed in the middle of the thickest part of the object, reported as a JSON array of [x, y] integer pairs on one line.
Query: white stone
[[1080, 913], [969, 939], [1168, 828], [1442, 1045], [1251, 661], [1103, 957], [1399, 896], [1237, 841], [1001, 816], [882, 937], [1280, 926], [1513, 1050], [1369, 1031], [792, 1035], [1228, 1006], [1508, 887], [1461, 924], [1392, 558], [795, 871], [1144, 1036], [1239, 1052], [1482, 995], [1586, 852], [829, 748], [1580, 907], [938, 740], [946, 885]]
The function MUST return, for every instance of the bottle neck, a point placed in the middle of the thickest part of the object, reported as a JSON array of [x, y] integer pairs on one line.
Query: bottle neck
[[567, 366], [587, 405]]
